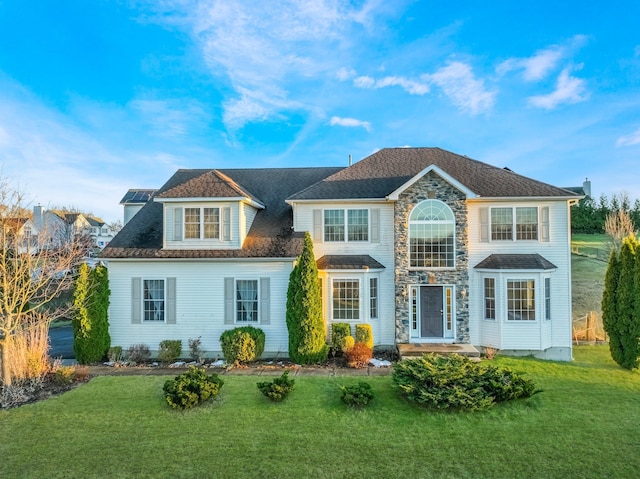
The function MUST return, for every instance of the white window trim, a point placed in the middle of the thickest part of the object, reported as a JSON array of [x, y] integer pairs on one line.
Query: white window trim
[[514, 224], [536, 298], [495, 299], [360, 317], [142, 301], [377, 298], [201, 219], [346, 225], [235, 302], [414, 332]]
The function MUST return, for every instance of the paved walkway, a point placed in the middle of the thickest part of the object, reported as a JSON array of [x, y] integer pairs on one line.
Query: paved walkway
[[261, 370]]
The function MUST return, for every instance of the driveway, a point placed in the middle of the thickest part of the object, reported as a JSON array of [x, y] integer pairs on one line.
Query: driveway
[[61, 342]]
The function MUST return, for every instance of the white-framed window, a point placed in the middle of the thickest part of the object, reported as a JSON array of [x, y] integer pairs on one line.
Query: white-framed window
[[346, 299], [490, 299], [432, 235], [201, 223], [153, 299], [353, 222], [521, 300], [519, 223], [547, 299], [247, 301], [373, 298]]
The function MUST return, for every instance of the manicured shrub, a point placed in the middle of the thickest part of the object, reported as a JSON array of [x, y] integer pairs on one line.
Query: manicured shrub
[[191, 388], [115, 353], [195, 349], [138, 353], [364, 334], [349, 342], [305, 323], [358, 395], [241, 345], [358, 356], [278, 389], [64, 375], [170, 350], [456, 382], [339, 332]]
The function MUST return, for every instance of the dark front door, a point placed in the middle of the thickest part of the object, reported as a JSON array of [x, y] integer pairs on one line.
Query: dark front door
[[431, 312]]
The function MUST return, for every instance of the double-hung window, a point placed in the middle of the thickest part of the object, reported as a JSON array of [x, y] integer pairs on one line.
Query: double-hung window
[[521, 300], [346, 225], [519, 223], [373, 298], [202, 223], [346, 299], [153, 295], [490, 298], [246, 300]]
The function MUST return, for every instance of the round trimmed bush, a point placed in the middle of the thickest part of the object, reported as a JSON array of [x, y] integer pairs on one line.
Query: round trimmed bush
[[241, 345]]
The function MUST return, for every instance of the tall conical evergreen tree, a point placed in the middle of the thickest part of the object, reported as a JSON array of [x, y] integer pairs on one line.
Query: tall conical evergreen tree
[[610, 305], [624, 326], [306, 326], [91, 338]]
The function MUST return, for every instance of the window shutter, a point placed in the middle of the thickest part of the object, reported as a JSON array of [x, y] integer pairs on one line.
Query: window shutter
[[544, 223], [265, 301], [228, 301], [317, 226], [177, 224], [136, 305], [171, 301], [484, 225], [226, 224], [375, 225]]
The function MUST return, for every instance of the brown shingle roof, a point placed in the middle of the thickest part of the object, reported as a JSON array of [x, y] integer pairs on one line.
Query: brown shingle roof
[[348, 262], [516, 261], [380, 174], [210, 184], [270, 235]]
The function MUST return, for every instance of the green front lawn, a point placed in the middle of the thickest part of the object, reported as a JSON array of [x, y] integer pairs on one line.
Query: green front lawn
[[585, 423]]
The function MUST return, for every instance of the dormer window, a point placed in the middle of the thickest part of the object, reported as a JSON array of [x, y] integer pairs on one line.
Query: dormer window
[[202, 223]]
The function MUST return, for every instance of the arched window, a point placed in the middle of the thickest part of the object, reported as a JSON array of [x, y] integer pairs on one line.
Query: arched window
[[432, 231]]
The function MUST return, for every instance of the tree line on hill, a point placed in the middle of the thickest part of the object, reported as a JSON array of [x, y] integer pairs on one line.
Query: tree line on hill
[[589, 216]]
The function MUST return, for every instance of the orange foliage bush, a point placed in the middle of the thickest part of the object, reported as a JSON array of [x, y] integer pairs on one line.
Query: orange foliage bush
[[358, 356]]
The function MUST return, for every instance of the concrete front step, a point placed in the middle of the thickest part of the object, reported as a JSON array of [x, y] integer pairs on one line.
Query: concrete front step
[[409, 350]]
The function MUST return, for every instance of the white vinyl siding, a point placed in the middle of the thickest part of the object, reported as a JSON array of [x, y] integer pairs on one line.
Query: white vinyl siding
[[199, 301], [206, 225]]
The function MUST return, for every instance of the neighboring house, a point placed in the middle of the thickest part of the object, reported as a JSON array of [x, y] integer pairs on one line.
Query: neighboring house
[[24, 230], [60, 226], [423, 244], [134, 200]]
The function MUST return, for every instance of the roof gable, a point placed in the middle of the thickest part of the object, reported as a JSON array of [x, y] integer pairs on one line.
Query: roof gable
[[432, 168], [385, 172]]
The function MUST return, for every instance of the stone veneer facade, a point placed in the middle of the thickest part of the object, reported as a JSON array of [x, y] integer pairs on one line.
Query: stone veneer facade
[[431, 186]]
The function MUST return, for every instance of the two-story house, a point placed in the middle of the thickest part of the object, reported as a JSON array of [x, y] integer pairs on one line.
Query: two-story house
[[423, 244]]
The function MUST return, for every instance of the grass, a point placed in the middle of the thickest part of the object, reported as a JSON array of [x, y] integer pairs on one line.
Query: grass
[[584, 424]]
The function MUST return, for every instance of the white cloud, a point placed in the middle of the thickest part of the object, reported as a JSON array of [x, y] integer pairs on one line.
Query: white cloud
[[350, 123], [345, 74], [569, 90], [458, 82], [264, 48], [410, 86], [543, 62], [629, 140]]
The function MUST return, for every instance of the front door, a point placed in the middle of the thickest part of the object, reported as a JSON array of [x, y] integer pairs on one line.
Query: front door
[[431, 312]]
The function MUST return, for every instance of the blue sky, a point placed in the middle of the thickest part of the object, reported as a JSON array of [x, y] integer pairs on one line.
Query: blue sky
[[100, 96]]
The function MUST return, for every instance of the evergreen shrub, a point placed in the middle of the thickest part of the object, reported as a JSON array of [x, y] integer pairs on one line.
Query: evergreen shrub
[[305, 323], [364, 334], [349, 342], [243, 344], [358, 356], [456, 382], [278, 389], [170, 350], [191, 388], [358, 395], [339, 332]]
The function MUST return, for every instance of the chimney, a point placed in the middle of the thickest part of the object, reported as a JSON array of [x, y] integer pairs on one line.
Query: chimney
[[37, 215], [586, 187], [350, 160]]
